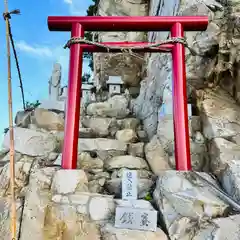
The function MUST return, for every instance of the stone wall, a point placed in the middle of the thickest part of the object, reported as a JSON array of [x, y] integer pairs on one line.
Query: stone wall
[[124, 65], [213, 68]]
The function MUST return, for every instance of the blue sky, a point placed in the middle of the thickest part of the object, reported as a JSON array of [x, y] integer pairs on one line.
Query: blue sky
[[37, 49]]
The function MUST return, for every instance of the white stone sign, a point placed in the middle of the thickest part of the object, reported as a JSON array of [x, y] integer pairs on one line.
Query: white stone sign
[[129, 185], [136, 218]]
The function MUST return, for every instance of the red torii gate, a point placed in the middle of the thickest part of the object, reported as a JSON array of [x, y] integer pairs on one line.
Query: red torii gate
[[176, 24]]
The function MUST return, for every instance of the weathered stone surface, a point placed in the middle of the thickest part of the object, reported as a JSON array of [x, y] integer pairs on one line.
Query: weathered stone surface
[[30, 142], [23, 119], [102, 127], [96, 186], [6, 157], [86, 162], [126, 135], [124, 65], [222, 152], [116, 106], [166, 134], [22, 172], [63, 222], [183, 200], [98, 175], [105, 148], [220, 115], [126, 161], [5, 219], [110, 232], [220, 228], [136, 149], [157, 158], [199, 158], [230, 179], [86, 133], [197, 141], [159, 66], [37, 199], [48, 120], [129, 123], [142, 136], [69, 181], [101, 208]]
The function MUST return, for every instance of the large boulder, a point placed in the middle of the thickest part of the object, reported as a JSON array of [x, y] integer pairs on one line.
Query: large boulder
[[102, 127], [220, 115], [156, 156], [104, 148], [116, 106], [185, 201], [199, 68], [124, 65], [48, 120], [30, 142], [127, 161]]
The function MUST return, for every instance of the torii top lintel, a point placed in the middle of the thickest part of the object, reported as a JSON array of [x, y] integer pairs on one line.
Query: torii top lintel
[[127, 23]]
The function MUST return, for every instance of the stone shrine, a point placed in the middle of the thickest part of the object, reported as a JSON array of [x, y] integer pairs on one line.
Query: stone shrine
[[86, 92], [115, 85]]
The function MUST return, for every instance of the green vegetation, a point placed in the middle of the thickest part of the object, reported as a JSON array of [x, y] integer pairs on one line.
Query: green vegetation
[[32, 105]]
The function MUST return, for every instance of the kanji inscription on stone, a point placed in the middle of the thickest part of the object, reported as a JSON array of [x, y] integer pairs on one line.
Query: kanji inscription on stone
[[136, 218], [129, 185]]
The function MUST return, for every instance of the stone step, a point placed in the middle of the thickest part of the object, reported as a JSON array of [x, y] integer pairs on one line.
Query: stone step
[[105, 148], [86, 133]]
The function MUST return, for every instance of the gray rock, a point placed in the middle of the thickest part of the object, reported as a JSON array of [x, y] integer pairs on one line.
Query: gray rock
[[222, 152], [48, 120], [101, 127], [129, 123], [31, 142], [110, 232], [220, 115], [23, 119], [136, 149], [126, 161], [183, 199], [157, 158], [116, 106], [126, 135], [105, 148]]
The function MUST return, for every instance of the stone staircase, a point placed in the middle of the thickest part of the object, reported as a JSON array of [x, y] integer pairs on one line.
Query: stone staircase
[[80, 204]]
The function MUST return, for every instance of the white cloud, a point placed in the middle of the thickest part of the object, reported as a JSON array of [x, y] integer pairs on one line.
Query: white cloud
[[49, 55], [40, 51], [68, 1], [76, 7]]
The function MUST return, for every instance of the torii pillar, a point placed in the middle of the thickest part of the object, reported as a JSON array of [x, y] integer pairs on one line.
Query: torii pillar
[[177, 25]]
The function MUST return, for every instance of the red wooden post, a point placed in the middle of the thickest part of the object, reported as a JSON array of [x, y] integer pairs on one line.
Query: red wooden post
[[71, 132], [177, 25], [180, 111]]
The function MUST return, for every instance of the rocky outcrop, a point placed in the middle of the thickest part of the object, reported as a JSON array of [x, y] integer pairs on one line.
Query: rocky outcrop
[[53, 203], [124, 65], [219, 40]]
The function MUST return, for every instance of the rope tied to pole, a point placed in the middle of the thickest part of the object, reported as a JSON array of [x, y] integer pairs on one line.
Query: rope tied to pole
[[7, 17]]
